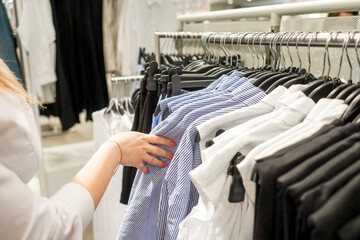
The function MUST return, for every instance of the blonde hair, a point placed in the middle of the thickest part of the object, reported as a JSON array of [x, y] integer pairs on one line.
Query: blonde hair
[[9, 83]]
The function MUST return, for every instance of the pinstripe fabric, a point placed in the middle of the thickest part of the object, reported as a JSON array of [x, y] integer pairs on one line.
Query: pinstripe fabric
[[140, 221], [178, 194], [228, 84], [179, 98], [199, 102], [215, 85], [157, 119]]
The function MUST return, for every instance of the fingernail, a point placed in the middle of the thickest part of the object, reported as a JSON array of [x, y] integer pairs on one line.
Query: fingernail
[[171, 156], [172, 143], [164, 164], [147, 171]]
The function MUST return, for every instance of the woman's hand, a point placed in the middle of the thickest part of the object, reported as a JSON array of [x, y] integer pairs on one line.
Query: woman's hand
[[134, 148]]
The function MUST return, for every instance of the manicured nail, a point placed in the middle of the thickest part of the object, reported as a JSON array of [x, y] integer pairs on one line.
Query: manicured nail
[[164, 164], [147, 171], [172, 143], [171, 156]]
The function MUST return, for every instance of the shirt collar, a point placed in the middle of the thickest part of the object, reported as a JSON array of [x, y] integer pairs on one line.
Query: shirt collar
[[291, 95], [250, 96], [327, 108], [274, 96]]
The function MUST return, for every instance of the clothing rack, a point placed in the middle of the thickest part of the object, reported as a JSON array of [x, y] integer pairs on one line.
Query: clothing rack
[[274, 12], [115, 79], [123, 86], [334, 39]]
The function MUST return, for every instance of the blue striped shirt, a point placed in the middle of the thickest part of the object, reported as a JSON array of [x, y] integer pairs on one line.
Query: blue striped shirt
[[178, 99], [178, 194], [140, 221]]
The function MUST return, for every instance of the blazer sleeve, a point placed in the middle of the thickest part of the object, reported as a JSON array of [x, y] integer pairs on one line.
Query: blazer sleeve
[[26, 215]]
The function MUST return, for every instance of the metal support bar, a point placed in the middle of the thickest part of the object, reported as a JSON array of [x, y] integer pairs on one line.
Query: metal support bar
[[127, 78], [319, 40], [279, 9], [157, 46]]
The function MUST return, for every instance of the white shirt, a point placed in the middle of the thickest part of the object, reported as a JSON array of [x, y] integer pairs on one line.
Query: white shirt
[[110, 212], [290, 96], [24, 214], [325, 111], [211, 179], [37, 36], [207, 130]]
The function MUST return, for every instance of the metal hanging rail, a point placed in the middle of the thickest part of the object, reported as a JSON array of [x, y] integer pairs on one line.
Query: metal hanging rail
[[299, 39], [126, 78], [275, 12]]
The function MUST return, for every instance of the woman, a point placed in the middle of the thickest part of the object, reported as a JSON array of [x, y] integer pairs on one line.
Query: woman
[[26, 215]]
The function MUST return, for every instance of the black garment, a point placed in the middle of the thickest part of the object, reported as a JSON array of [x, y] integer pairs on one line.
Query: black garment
[[130, 172], [267, 170], [148, 111], [79, 60], [342, 207], [7, 47], [316, 197], [142, 123], [320, 175], [301, 171], [351, 230]]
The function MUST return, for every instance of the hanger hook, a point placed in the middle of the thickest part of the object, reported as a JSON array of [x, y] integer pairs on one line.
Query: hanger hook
[[282, 54], [326, 53], [277, 55], [261, 50], [239, 42], [297, 49], [309, 54], [235, 55], [357, 54], [287, 45], [223, 47], [257, 35], [248, 46], [348, 57], [342, 52]]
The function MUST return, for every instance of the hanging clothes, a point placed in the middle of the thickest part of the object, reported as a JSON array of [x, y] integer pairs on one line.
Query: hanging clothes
[[111, 16], [7, 47], [109, 213], [36, 17], [79, 61]]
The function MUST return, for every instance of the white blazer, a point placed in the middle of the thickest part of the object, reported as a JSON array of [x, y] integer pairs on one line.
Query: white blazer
[[24, 214]]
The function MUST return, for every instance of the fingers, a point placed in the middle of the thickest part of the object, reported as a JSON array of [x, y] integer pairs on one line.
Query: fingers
[[160, 140], [143, 168], [160, 152], [154, 161]]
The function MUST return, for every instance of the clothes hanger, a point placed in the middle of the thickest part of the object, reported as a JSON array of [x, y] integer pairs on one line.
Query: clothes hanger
[[299, 76], [271, 72], [280, 73], [305, 75], [322, 79], [346, 92], [326, 88], [353, 111], [265, 68]]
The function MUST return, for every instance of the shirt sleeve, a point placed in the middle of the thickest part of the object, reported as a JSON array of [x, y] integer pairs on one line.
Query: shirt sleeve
[[26, 215]]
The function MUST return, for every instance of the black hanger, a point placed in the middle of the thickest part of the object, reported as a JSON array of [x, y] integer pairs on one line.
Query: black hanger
[[337, 90], [175, 86], [353, 111], [352, 96], [151, 84], [323, 90], [347, 91], [314, 85]]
